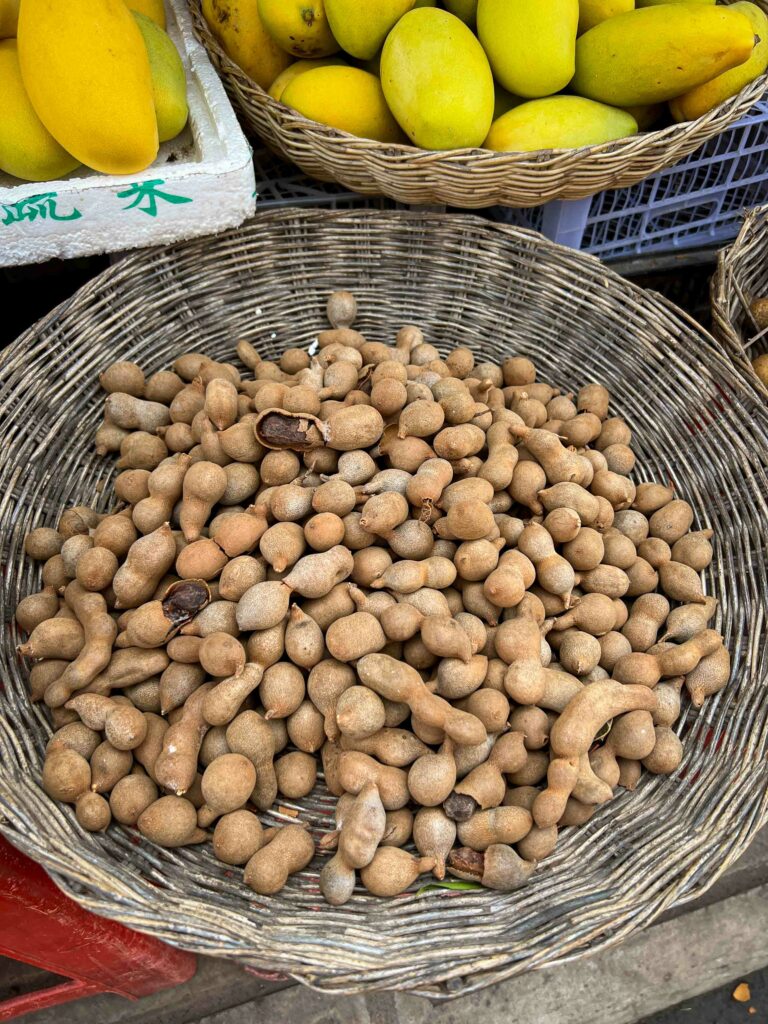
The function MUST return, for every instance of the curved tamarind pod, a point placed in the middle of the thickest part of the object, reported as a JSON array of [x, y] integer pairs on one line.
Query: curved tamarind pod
[[397, 681], [575, 730], [176, 765], [549, 805], [710, 676], [224, 699], [100, 632]]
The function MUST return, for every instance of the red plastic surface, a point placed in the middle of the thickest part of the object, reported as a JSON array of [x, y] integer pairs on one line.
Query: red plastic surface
[[39, 925]]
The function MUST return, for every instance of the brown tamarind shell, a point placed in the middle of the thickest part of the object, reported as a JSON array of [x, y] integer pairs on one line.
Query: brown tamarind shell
[[281, 430]]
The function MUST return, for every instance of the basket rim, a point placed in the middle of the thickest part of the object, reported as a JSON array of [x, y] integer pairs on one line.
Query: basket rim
[[728, 299], [76, 881], [732, 108], [280, 214]]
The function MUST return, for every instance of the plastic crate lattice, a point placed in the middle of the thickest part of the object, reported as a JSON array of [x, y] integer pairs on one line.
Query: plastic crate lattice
[[697, 203]]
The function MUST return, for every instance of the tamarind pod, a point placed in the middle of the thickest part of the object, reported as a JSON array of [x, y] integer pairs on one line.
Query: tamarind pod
[[100, 632], [176, 765], [222, 702], [397, 681], [586, 713], [499, 867]]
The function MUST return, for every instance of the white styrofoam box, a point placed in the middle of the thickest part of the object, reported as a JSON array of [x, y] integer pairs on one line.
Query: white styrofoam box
[[202, 182]]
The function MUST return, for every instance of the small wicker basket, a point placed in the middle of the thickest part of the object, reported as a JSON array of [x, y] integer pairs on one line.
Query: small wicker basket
[[464, 178], [465, 281], [741, 276]]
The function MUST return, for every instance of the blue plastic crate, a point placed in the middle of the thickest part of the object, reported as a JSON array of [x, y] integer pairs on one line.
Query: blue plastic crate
[[280, 184], [695, 204]]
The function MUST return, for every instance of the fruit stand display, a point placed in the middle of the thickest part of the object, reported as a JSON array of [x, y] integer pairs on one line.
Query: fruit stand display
[[190, 174], [377, 574], [361, 562]]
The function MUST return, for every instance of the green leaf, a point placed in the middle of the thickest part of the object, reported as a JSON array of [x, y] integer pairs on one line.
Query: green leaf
[[455, 884]]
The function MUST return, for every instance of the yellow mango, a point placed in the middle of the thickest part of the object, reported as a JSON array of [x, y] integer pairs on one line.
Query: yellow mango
[[361, 28], [238, 28], [299, 67], [27, 148], [592, 12], [646, 114], [437, 80], [657, 53], [704, 97], [169, 83], [531, 44], [503, 101], [345, 98], [558, 122], [299, 27], [464, 9], [154, 9], [86, 70], [9, 17]]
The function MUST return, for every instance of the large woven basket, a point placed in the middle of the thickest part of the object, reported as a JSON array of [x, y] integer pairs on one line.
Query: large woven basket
[[741, 276], [500, 290], [465, 178]]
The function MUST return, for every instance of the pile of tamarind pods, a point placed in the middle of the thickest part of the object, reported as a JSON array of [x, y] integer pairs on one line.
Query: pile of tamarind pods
[[435, 576]]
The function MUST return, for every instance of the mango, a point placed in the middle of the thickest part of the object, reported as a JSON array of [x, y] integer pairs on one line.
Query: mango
[[154, 9], [592, 12], [558, 122], [86, 71], [345, 98], [169, 83], [646, 114], [284, 79], [9, 18], [503, 101], [464, 9], [361, 28], [437, 80], [704, 97], [238, 28], [531, 44], [27, 148], [657, 53], [299, 27]]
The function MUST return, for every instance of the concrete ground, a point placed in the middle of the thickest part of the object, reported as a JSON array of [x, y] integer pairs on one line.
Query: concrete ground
[[720, 1006]]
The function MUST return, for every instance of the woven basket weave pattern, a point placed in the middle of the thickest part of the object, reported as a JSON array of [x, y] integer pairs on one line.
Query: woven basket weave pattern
[[468, 178], [500, 290], [742, 275]]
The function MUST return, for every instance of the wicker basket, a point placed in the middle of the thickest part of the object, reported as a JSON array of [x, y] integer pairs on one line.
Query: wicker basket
[[465, 281], [466, 178], [742, 275]]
